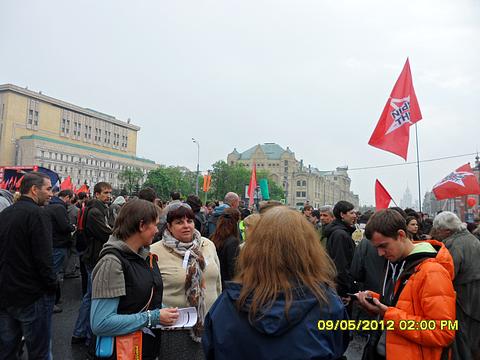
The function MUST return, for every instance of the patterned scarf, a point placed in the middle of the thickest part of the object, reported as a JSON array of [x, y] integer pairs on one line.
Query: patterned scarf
[[194, 281]]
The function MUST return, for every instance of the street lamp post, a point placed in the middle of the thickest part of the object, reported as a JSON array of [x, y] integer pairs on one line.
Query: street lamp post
[[198, 165]]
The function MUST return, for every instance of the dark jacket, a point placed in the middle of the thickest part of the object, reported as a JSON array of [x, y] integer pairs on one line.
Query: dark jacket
[[26, 267], [213, 218], [341, 247], [227, 255], [96, 230], [229, 334], [368, 268], [61, 227]]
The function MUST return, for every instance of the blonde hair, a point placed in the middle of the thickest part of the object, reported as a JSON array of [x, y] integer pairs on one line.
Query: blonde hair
[[281, 254]]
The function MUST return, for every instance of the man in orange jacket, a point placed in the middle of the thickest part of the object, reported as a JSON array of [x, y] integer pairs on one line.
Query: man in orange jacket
[[417, 304]]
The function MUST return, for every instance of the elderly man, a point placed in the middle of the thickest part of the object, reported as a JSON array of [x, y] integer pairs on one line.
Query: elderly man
[[326, 217], [465, 250]]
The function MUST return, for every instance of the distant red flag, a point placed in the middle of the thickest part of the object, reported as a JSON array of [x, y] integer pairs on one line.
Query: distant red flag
[[458, 183], [253, 185], [382, 197], [19, 183], [392, 132], [83, 188], [66, 184], [12, 182], [3, 185]]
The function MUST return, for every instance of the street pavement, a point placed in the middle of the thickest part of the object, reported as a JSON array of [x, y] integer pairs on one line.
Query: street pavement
[[64, 322]]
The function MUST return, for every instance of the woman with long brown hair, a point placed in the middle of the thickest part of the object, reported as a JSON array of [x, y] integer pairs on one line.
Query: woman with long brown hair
[[278, 305], [226, 240]]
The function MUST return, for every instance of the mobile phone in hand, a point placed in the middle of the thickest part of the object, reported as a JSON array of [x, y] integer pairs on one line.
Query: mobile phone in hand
[[370, 300]]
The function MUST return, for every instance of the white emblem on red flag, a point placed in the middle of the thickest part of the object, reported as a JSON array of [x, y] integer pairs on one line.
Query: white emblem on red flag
[[400, 113]]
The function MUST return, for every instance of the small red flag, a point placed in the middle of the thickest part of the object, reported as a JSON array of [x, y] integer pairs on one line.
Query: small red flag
[[253, 185], [3, 185], [83, 188], [19, 183], [382, 197], [392, 132], [66, 184], [458, 183]]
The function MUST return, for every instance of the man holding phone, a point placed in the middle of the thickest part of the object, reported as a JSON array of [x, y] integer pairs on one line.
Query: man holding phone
[[417, 289]]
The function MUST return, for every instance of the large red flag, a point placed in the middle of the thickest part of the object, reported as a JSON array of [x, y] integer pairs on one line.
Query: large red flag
[[382, 197], [253, 185], [458, 183], [392, 132]]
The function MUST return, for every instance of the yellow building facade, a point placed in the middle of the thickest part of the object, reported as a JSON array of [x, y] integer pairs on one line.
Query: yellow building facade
[[85, 144]]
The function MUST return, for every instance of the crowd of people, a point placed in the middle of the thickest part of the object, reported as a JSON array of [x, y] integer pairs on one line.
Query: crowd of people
[[266, 282]]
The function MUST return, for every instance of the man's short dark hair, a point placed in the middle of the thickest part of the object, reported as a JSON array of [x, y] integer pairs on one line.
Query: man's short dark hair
[[30, 179], [82, 195], [194, 202], [175, 195], [342, 207], [386, 222], [66, 192], [148, 194], [399, 210], [99, 187]]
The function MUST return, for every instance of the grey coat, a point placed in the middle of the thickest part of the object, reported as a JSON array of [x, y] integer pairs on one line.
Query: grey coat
[[465, 250]]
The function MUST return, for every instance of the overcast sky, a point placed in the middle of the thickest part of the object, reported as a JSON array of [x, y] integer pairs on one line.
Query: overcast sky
[[312, 75]]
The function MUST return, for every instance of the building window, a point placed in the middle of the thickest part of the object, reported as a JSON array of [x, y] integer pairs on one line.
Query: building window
[[304, 194], [32, 115], [299, 183], [299, 194], [304, 183]]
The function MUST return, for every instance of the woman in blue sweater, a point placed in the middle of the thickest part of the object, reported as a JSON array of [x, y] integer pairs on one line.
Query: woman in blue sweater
[[127, 284], [284, 288]]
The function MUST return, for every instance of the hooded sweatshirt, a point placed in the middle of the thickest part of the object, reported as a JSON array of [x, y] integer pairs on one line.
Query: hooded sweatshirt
[[422, 291], [230, 335], [213, 218]]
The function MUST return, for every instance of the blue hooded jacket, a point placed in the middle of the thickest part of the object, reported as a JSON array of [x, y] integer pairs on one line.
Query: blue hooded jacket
[[213, 218], [229, 334]]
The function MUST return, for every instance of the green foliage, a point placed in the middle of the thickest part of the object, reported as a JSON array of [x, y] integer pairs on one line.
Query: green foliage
[[164, 180], [234, 178], [131, 178], [225, 178]]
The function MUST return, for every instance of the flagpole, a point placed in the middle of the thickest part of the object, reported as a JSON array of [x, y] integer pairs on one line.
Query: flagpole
[[418, 170]]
